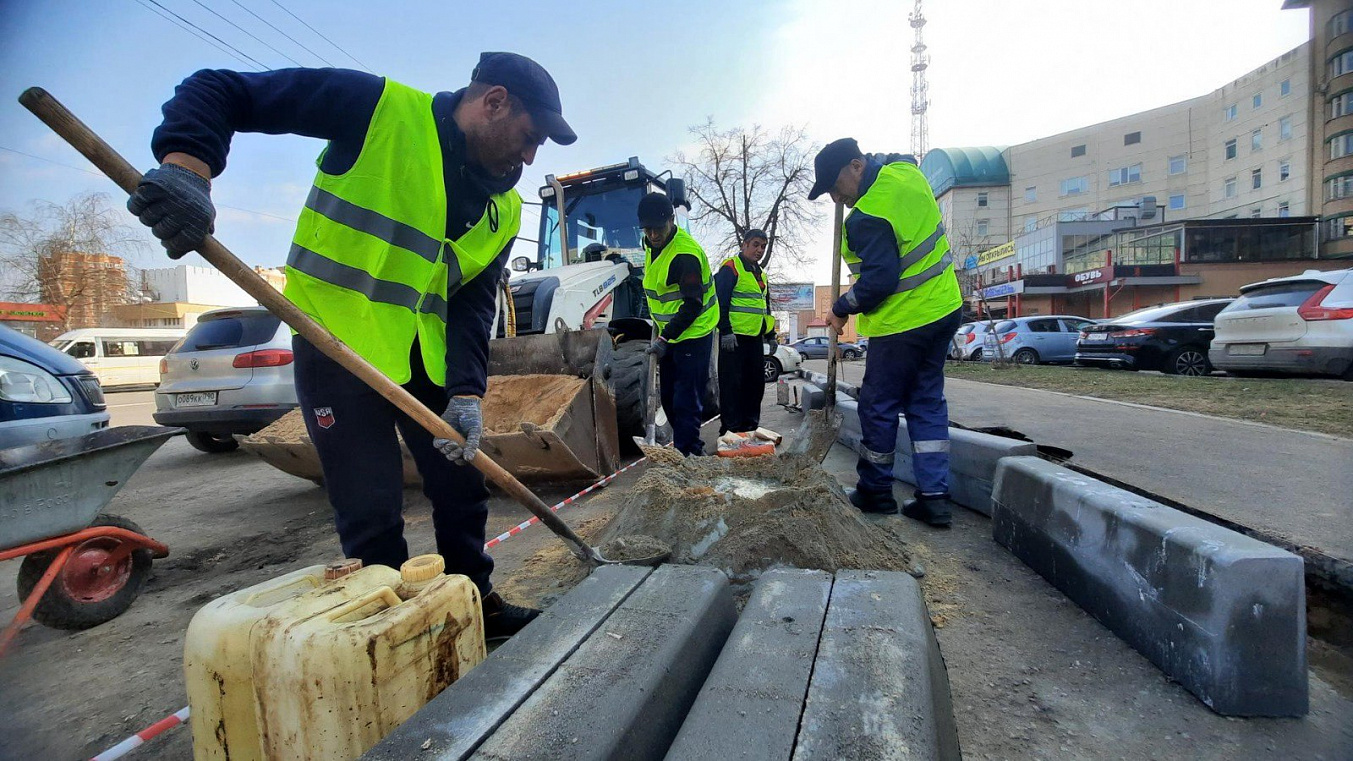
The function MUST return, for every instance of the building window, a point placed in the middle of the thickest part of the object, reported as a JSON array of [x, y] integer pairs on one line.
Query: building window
[[1031, 194], [1256, 179], [1256, 212], [1229, 113], [1341, 63], [1341, 145], [1339, 227], [1283, 209], [1285, 128], [982, 199], [1284, 170], [982, 225], [1074, 185], [1030, 223], [1077, 150], [1230, 149], [1285, 88], [1228, 188], [1178, 164], [1258, 100], [1340, 23], [1125, 175], [1339, 187], [1341, 104], [1256, 140], [1176, 202], [1132, 138]]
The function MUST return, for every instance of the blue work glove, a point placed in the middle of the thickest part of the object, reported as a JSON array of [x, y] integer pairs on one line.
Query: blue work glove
[[465, 415], [728, 342], [657, 347], [175, 203]]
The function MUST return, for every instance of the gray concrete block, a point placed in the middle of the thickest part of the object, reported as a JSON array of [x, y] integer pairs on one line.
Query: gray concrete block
[[843, 387], [749, 707], [811, 397], [972, 457], [625, 690], [463, 715], [1220, 613], [879, 688]]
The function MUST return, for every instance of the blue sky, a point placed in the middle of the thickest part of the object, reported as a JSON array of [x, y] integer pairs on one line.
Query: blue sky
[[633, 75]]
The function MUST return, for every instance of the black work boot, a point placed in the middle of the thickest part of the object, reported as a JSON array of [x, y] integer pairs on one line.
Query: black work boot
[[503, 619], [876, 502], [935, 510]]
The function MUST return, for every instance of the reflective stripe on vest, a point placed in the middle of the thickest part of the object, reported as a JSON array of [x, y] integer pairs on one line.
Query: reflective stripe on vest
[[664, 300], [370, 260], [926, 289]]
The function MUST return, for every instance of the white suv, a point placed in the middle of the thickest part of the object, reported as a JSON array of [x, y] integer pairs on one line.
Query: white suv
[[1298, 324]]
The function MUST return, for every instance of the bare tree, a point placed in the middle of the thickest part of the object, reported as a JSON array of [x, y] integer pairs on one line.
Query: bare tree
[[744, 178], [72, 255]]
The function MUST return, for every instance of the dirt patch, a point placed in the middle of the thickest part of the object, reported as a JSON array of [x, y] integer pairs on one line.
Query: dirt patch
[[515, 399], [634, 547]]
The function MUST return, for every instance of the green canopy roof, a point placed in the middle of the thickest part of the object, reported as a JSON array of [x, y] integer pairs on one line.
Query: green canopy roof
[[948, 168]]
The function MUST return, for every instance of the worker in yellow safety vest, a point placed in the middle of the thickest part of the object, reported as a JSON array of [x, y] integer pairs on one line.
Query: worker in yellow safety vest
[[908, 303], [685, 314], [745, 328], [397, 252]]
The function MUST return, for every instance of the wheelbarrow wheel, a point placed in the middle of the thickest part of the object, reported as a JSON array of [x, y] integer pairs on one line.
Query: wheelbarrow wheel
[[88, 590]]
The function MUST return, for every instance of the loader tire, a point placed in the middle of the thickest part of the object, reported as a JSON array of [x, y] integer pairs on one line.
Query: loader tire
[[624, 373]]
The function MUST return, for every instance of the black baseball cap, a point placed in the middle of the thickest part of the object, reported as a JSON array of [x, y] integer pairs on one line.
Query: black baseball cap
[[755, 232], [829, 162], [527, 80], [655, 209]]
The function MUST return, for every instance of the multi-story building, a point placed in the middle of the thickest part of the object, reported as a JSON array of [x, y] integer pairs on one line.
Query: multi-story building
[[1330, 115], [174, 297], [82, 286]]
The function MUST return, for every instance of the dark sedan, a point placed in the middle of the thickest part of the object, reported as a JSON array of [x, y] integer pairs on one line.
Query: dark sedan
[[815, 347], [1172, 338]]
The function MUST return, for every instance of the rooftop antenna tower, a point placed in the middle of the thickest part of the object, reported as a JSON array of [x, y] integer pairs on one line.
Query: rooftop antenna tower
[[920, 100]]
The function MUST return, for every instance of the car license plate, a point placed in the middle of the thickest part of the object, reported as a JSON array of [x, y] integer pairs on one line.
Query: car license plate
[[199, 399], [1097, 337], [1247, 350]]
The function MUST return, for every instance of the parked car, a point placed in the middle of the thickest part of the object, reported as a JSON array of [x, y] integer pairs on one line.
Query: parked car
[[968, 340], [120, 356], [232, 374], [1171, 338], [1297, 324], [781, 359], [815, 347], [1036, 339], [45, 394]]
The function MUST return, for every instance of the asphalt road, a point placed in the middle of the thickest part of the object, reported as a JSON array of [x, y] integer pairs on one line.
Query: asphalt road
[[1289, 484], [130, 407]]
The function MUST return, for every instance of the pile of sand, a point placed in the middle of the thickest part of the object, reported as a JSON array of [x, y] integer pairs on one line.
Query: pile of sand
[[515, 399]]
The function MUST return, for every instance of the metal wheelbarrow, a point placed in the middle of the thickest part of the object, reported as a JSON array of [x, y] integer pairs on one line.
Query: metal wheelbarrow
[[81, 567]]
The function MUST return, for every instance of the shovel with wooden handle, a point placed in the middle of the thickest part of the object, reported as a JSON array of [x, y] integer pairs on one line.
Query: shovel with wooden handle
[[102, 155], [650, 437], [820, 427]]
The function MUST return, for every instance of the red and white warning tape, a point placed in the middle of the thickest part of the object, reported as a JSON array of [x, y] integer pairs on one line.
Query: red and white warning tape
[[138, 739], [520, 527]]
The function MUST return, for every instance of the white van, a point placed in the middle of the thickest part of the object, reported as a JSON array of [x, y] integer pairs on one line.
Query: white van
[[120, 356]]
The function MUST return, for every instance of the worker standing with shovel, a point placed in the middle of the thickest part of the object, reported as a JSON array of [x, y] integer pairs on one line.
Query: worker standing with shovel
[[397, 253], [909, 305]]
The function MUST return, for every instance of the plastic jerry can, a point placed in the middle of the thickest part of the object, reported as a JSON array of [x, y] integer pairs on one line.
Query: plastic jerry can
[[332, 684], [217, 662]]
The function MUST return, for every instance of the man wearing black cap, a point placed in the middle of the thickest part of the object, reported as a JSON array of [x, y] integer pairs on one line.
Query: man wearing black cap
[[397, 252], [682, 303], [744, 326], [909, 305]]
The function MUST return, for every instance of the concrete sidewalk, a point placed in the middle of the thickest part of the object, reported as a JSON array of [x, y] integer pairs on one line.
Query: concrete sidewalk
[[1286, 484]]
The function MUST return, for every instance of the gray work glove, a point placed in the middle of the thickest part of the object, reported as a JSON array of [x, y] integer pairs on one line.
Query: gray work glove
[[465, 415], [657, 347], [175, 203], [728, 342]]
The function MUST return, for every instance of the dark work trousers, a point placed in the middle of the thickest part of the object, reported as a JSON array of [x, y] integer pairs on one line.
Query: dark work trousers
[[742, 384], [684, 373], [904, 374], [353, 429]]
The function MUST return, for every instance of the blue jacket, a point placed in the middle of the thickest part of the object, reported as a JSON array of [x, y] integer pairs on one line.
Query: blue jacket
[[336, 105], [872, 239]]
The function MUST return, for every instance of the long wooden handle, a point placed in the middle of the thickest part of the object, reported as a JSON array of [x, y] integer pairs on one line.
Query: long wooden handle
[[102, 155], [829, 403]]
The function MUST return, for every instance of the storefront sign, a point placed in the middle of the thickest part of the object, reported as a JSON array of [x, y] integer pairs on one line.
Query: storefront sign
[[1090, 277], [16, 312], [1003, 290], [791, 297], [996, 254]]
